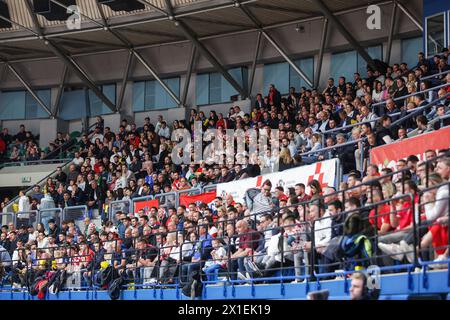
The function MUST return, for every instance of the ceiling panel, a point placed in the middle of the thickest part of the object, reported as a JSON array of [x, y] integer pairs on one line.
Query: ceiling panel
[[145, 32]]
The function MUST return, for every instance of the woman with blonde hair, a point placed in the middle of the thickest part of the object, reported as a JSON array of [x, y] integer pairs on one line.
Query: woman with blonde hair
[[316, 145], [285, 160], [412, 88]]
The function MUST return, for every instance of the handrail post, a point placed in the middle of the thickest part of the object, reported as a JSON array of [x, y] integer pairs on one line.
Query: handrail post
[[419, 222], [415, 233], [448, 223], [361, 157], [313, 251]]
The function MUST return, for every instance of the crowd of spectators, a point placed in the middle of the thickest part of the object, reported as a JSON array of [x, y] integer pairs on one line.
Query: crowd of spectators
[[24, 146], [224, 235]]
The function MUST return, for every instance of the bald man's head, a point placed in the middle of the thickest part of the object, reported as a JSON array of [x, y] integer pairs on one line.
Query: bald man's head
[[327, 197], [242, 226]]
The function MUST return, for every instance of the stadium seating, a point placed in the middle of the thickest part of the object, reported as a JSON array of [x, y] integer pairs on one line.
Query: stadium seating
[[122, 206]]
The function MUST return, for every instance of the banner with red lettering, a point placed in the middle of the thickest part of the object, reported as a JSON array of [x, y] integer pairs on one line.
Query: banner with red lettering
[[324, 172], [206, 197], [387, 155], [145, 205]]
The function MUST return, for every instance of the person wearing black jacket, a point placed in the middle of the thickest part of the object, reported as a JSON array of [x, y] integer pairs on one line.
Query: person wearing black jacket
[[6, 136], [12, 242], [53, 229], [94, 265], [274, 96], [337, 219], [385, 130], [136, 165], [346, 154], [96, 198], [22, 134], [66, 201], [400, 92], [60, 175], [226, 175], [77, 195], [259, 102]]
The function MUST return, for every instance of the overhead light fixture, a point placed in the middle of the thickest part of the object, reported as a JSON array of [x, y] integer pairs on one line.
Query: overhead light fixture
[[123, 5], [53, 11], [299, 28]]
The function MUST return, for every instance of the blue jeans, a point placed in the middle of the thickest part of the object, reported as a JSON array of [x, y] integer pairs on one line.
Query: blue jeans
[[211, 272], [236, 265]]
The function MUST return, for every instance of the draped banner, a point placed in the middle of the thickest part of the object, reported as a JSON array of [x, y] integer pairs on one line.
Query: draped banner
[[206, 197], [387, 155], [324, 172], [145, 205]]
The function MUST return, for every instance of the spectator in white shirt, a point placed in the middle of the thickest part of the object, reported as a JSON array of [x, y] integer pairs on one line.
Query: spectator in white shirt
[[121, 181], [164, 130], [159, 123], [366, 115], [24, 202], [97, 135], [238, 112], [78, 160], [42, 241]]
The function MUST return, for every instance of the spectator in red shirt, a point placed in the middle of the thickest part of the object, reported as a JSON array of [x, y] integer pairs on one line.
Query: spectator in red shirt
[[2, 148], [300, 193], [382, 211], [134, 140], [248, 242], [401, 219]]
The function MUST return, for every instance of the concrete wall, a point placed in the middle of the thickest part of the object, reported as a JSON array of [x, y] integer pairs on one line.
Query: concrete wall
[[26, 175]]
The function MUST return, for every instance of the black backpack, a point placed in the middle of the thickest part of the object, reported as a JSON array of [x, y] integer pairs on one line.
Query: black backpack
[[106, 276], [115, 288], [194, 287]]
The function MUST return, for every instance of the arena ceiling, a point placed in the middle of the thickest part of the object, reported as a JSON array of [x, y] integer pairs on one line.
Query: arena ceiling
[[103, 29]]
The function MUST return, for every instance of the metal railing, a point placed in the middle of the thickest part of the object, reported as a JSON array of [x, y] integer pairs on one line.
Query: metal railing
[[44, 215], [434, 75], [350, 126], [7, 217], [8, 207], [188, 192], [165, 270], [208, 188], [124, 206], [76, 213], [34, 162], [418, 111], [26, 218], [167, 200], [412, 94], [305, 231]]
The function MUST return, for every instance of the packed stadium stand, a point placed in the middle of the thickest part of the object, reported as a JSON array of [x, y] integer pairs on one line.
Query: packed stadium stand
[[353, 185]]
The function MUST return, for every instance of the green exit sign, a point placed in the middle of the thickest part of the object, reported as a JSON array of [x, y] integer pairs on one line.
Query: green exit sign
[[26, 179]]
